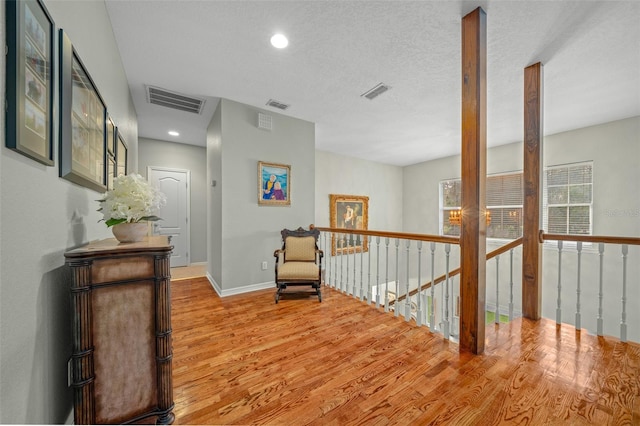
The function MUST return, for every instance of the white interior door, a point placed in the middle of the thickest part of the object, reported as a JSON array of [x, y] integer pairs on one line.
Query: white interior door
[[175, 184]]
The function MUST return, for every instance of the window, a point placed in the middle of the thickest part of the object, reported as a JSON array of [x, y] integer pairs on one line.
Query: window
[[567, 202], [504, 204]]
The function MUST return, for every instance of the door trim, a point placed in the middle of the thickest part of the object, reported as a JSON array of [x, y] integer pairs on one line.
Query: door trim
[[188, 211]]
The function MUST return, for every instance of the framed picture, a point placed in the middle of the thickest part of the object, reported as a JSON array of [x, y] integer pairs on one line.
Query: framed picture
[[274, 184], [83, 122], [111, 152], [121, 156], [30, 84], [111, 137], [348, 212], [111, 172]]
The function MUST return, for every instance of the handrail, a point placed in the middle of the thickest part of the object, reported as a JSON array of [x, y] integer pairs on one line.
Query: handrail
[[590, 238], [401, 235], [505, 248]]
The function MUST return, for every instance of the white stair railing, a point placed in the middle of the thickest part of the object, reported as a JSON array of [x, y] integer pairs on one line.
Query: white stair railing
[[604, 276], [390, 279]]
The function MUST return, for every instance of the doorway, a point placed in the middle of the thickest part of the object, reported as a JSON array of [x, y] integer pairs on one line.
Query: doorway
[[176, 185]]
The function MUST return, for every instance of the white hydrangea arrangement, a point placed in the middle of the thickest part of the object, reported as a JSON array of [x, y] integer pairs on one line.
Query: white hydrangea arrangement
[[131, 200]]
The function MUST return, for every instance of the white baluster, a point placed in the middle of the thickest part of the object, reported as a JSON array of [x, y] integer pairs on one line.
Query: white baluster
[[578, 315], [445, 320], [327, 261], [623, 321], [362, 239], [386, 281], [432, 315], [377, 272], [355, 287], [332, 264], [419, 312], [342, 287], [559, 298], [511, 285], [407, 300], [600, 330], [347, 288], [396, 310], [497, 313], [369, 295], [336, 283]]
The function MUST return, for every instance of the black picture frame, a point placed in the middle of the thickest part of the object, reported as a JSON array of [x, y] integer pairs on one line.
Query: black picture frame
[[83, 122], [30, 80], [111, 136], [121, 156], [111, 152]]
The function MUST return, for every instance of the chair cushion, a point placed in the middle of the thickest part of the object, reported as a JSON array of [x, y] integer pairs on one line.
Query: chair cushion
[[300, 248], [298, 271]]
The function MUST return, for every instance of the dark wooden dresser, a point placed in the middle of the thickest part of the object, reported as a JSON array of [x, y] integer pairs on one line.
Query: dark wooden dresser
[[121, 302]]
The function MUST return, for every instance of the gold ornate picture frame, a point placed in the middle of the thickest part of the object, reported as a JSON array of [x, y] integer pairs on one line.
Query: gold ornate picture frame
[[348, 212], [274, 184]]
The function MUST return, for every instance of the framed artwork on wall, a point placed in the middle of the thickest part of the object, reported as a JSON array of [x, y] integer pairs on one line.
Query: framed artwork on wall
[[274, 184], [29, 80], [348, 212], [83, 122], [121, 156], [111, 137], [111, 152]]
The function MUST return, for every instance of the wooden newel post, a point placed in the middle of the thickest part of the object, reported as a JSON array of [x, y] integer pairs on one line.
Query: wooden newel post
[[532, 175], [474, 164]]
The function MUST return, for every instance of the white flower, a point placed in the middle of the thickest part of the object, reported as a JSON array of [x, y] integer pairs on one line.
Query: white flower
[[132, 199]]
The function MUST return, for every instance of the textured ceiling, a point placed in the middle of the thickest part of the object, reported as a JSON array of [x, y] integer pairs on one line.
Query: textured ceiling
[[340, 49]]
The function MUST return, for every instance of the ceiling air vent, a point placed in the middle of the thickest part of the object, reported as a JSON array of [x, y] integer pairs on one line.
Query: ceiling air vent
[[169, 99], [376, 91], [277, 104], [265, 121]]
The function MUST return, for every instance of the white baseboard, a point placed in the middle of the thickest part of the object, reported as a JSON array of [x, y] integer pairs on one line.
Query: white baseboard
[[198, 264], [239, 290]]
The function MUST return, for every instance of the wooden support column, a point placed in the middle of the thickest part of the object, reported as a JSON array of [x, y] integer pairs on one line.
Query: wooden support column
[[532, 174], [473, 232]]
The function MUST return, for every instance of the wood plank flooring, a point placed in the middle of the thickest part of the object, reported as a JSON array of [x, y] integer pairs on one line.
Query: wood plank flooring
[[245, 360]]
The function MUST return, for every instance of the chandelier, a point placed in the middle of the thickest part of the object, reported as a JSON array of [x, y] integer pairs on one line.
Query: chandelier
[[455, 217]]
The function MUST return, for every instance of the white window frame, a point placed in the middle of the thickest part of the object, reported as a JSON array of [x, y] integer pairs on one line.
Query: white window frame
[[545, 198], [545, 203]]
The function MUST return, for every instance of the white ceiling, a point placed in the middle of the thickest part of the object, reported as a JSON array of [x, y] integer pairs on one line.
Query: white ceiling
[[340, 49]]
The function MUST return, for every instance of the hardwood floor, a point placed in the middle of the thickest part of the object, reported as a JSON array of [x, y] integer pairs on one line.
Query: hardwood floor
[[245, 360]]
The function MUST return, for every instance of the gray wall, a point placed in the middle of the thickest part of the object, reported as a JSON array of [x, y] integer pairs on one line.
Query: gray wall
[[214, 197], [614, 149], [42, 216], [250, 232], [382, 183], [158, 153]]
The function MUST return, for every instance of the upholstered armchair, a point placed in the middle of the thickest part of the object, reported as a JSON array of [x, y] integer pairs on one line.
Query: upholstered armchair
[[299, 261]]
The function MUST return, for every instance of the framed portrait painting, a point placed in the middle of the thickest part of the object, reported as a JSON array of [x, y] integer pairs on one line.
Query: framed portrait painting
[[30, 83], [83, 122], [274, 184], [121, 156], [348, 212]]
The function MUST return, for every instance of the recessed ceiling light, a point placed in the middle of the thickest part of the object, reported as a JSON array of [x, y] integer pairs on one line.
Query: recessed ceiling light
[[174, 133], [279, 41]]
